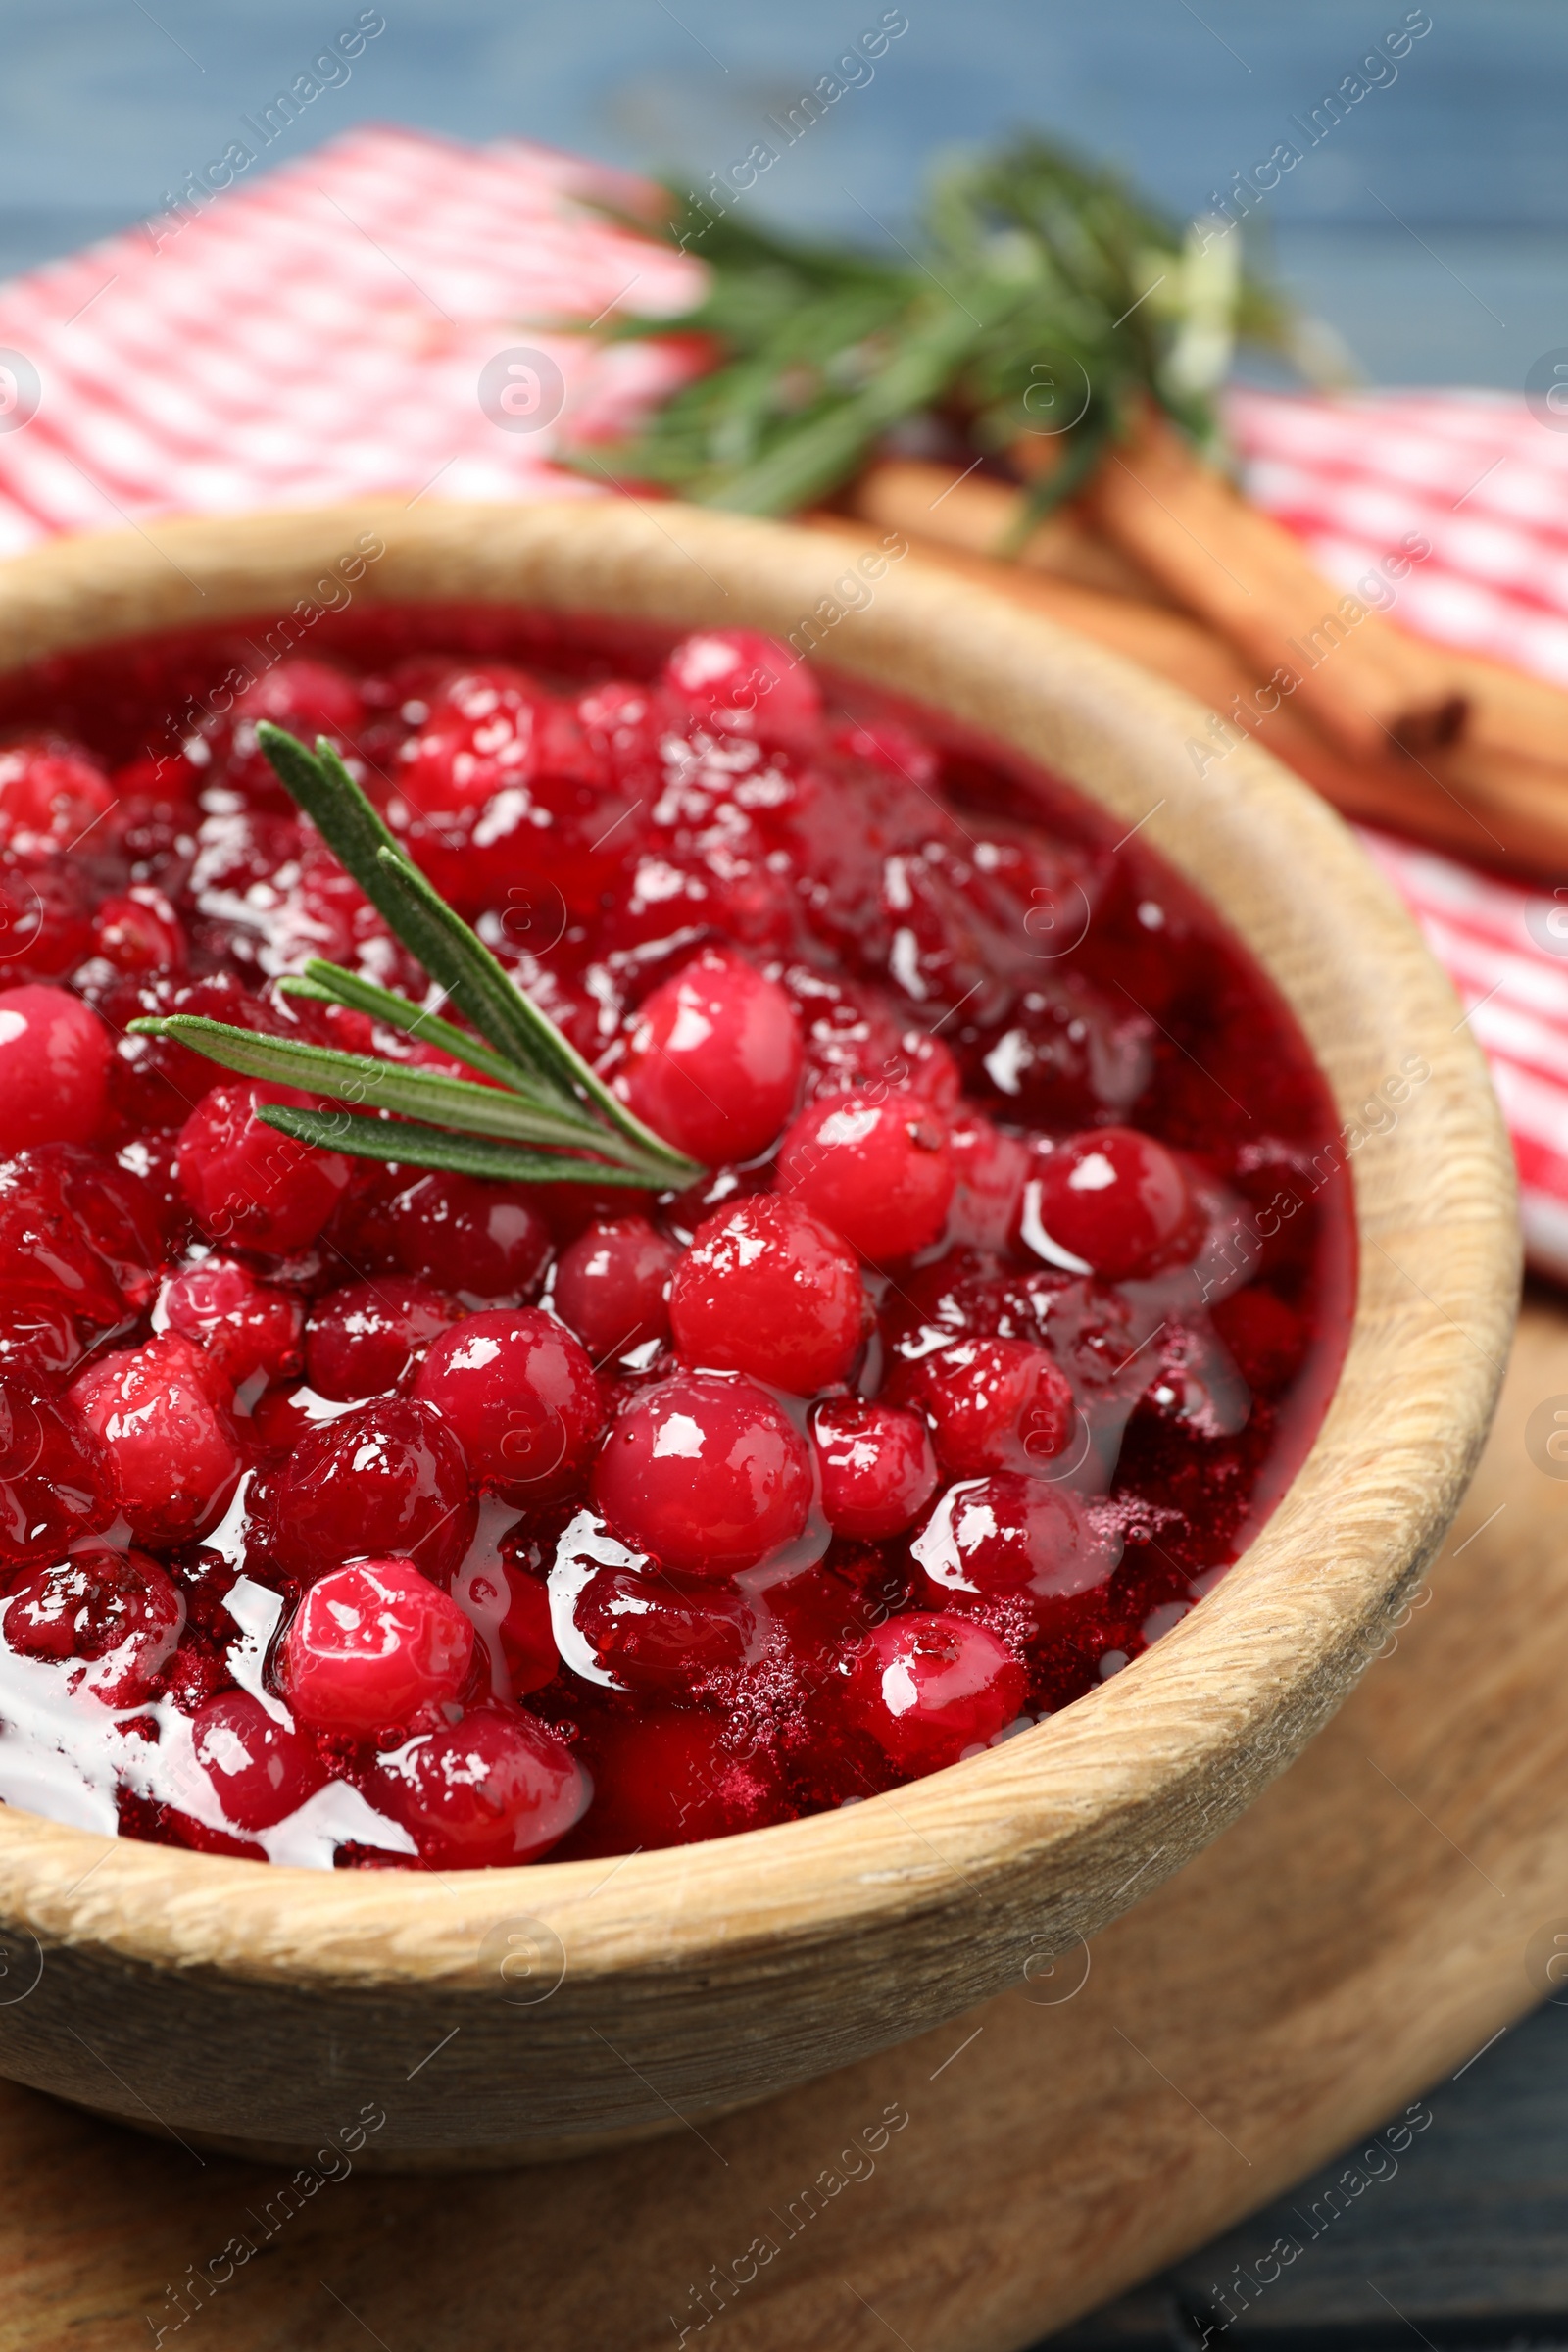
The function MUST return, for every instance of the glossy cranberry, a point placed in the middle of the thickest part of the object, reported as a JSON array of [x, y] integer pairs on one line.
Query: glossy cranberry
[[46, 924], [245, 1326], [55, 1484], [362, 1339], [612, 1287], [172, 1456], [877, 1465], [713, 1061], [388, 1479], [247, 1183], [484, 1243], [519, 1395], [138, 932], [880, 1172], [371, 1647], [653, 1634], [1118, 1202], [746, 684], [477, 738], [260, 1768], [78, 1232], [1010, 1533], [117, 1609], [663, 1777], [993, 1404], [497, 1788], [766, 1288], [54, 1067], [929, 1685], [50, 792], [156, 1082], [306, 697], [707, 1475]]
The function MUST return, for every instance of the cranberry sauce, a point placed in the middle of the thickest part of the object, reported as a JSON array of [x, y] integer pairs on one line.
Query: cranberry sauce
[[356, 1515]]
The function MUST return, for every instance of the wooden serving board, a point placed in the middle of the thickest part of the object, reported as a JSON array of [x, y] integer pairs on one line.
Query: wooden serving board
[[1380, 1913]]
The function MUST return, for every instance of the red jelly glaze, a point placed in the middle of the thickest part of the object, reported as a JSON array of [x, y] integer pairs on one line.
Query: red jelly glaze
[[766, 1288], [825, 1470]]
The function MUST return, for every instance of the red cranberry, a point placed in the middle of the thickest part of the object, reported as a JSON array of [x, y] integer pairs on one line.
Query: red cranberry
[[713, 1060], [993, 1404], [1008, 1534], [928, 1686], [707, 1475], [260, 1770], [612, 1287], [528, 1636], [521, 1396], [249, 1184], [767, 1289], [745, 684], [54, 1067], [54, 1480], [371, 1647], [653, 1634], [307, 697], [484, 1243], [139, 933], [45, 917], [363, 1337], [880, 1172], [50, 792], [245, 1326], [477, 737], [666, 1779], [388, 1479], [117, 1609], [497, 1788], [78, 1232], [1118, 1202], [170, 1445], [877, 1465]]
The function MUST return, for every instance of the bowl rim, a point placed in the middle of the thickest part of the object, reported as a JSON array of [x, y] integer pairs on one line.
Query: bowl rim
[[1185, 1736]]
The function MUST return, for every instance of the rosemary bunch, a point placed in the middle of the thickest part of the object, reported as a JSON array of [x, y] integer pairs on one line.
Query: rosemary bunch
[[1048, 299], [546, 1116]]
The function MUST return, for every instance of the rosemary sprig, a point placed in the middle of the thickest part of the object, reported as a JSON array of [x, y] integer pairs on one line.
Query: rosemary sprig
[[543, 1093], [1044, 286]]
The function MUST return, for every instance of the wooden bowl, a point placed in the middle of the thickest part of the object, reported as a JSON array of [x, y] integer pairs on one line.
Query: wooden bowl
[[500, 2014]]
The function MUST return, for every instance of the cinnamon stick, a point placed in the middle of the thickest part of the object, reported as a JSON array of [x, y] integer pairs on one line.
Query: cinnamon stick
[[1370, 689], [1500, 811]]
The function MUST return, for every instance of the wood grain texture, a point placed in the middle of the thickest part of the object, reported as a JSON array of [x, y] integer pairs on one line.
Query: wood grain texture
[[1362, 1930], [711, 1975]]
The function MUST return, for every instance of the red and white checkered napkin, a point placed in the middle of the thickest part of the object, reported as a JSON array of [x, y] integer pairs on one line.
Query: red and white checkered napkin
[[318, 333], [1487, 485]]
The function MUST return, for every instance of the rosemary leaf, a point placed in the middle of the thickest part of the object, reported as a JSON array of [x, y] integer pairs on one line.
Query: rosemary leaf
[[406, 1143], [387, 1086], [558, 1062], [330, 984]]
